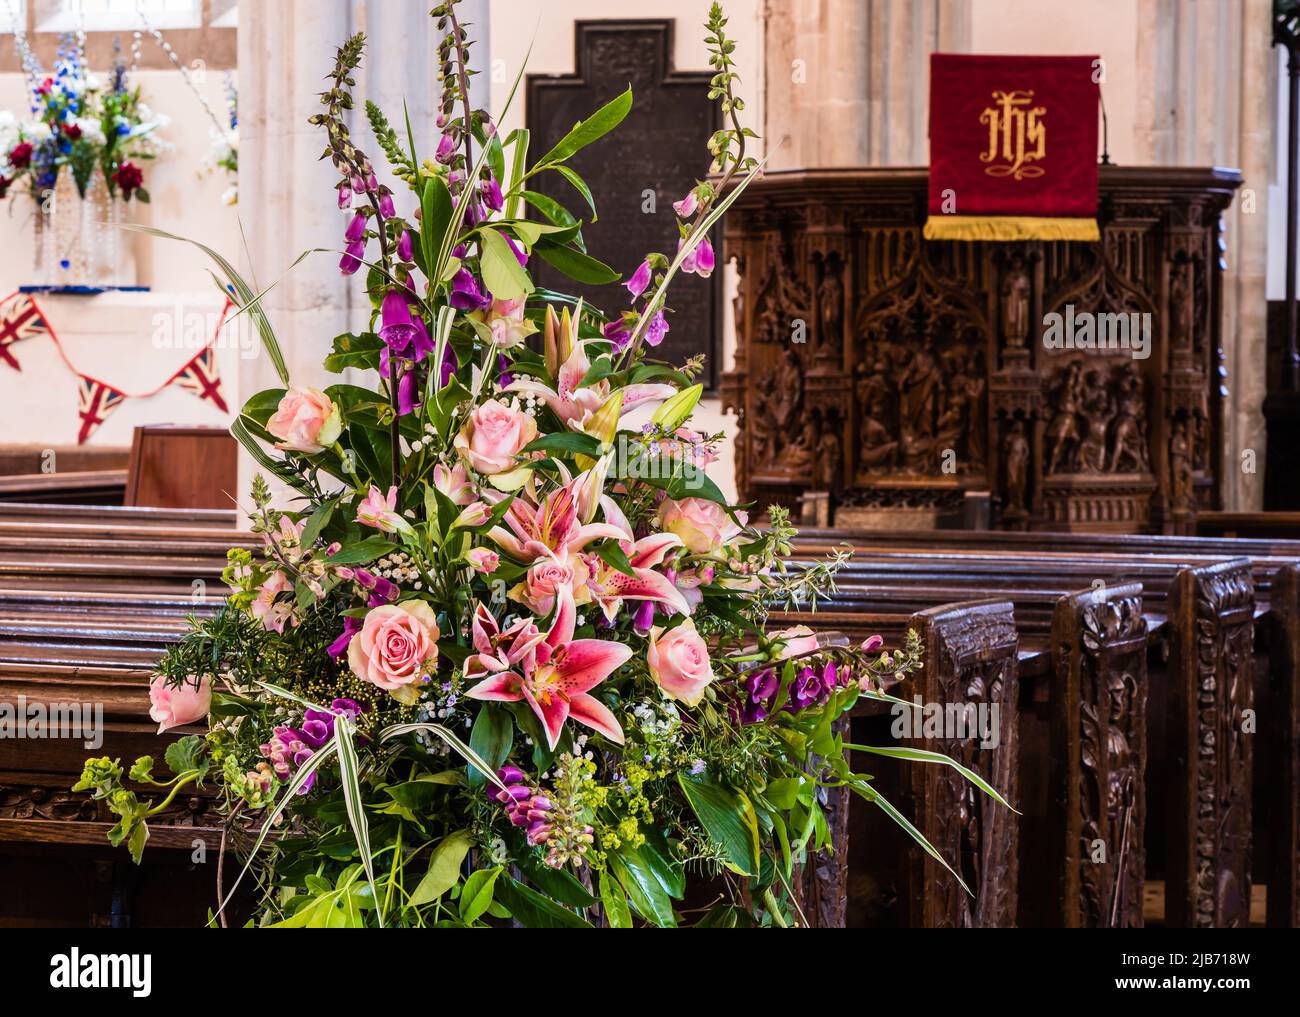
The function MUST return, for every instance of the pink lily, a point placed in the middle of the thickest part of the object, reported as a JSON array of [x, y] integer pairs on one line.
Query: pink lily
[[499, 651], [555, 678], [552, 529], [610, 587]]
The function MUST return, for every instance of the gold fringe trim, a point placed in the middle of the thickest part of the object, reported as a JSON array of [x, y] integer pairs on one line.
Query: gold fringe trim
[[1009, 227]]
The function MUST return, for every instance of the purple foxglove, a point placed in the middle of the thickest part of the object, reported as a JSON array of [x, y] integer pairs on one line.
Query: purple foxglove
[[504, 375], [474, 213], [372, 182], [408, 394], [617, 333], [386, 207], [491, 191], [421, 343], [656, 329], [351, 260], [397, 330], [465, 294], [345, 194], [405, 249], [446, 146], [356, 229], [644, 618], [687, 206], [521, 255], [640, 280], [704, 260], [351, 626], [448, 366]]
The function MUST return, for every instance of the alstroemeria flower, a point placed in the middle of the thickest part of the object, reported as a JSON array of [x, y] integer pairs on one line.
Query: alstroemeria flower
[[482, 561], [381, 512], [454, 483], [474, 514], [556, 676]]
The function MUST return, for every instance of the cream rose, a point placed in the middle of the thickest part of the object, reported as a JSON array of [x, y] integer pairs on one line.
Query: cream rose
[[704, 526], [396, 647], [493, 436], [305, 421], [679, 662]]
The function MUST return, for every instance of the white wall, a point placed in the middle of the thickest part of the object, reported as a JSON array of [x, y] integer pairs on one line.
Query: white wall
[[112, 335]]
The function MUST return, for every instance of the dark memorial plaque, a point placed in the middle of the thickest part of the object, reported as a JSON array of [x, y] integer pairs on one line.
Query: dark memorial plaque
[[659, 148]]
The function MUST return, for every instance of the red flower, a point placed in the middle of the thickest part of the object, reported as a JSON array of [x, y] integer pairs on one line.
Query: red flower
[[45, 86], [128, 177], [21, 155], [73, 131], [4, 186]]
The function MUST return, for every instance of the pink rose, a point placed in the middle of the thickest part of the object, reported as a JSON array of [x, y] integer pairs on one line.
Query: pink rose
[[679, 662], [482, 560], [396, 647], [543, 582], [798, 640], [175, 706], [305, 421], [493, 436], [704, 526]]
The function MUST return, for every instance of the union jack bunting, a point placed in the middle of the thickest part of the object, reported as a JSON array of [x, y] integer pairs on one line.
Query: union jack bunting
[[95, 401], [201, 377], [20, 318]]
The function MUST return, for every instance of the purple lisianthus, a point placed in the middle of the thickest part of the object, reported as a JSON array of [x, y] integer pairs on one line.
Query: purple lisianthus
[[640, 279], [806, 689]]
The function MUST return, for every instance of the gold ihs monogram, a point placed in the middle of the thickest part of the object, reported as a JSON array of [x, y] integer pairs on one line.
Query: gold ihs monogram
[[1017, 135]]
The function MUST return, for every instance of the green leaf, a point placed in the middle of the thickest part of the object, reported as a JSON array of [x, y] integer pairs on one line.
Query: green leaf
[[444, 868], [491, 737], [643, 888], [535, 911], [579, 185], [476, 895], [586, 131], [550, 208], [615, 557], [188, 753], [926, 756], [617, 913], [504, 277], [576, 265], [435, 214], [727, 817], [566, 441], [361, 553], [361, 351]]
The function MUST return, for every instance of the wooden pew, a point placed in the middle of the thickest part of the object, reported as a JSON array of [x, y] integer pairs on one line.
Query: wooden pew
[[1260, 525], [907, 569]]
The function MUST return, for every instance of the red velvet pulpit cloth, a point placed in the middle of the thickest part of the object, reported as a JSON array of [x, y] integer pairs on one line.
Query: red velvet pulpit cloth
[[1013, 147]]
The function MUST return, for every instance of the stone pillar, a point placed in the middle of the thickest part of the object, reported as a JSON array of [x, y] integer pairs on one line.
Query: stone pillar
[[1204, 67], [287, 202], [847, 81]]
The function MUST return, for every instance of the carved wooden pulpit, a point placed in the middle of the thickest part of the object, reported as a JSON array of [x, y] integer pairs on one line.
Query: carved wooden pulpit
[[903, 375]]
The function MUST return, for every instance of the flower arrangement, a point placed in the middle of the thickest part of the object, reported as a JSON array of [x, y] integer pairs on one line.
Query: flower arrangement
[[80, 122], [508, 658]]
